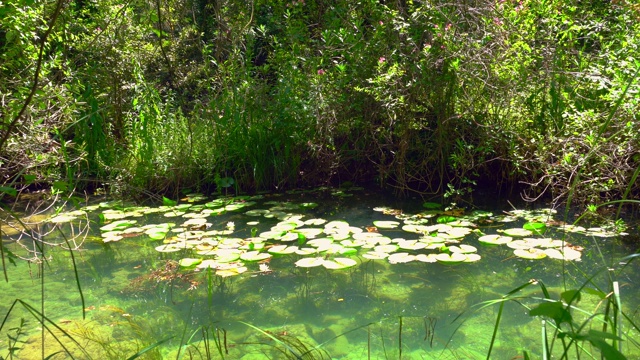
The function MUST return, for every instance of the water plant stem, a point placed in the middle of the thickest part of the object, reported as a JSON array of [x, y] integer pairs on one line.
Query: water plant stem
[[618, 314]]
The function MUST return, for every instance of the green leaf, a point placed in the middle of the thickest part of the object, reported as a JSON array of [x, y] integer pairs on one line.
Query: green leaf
[[431, 205], [595, 292], [571, 296], [29, 178], [8, 190], [554, 310], [445, 219], [60, 185], [598, 339], [168, 202]]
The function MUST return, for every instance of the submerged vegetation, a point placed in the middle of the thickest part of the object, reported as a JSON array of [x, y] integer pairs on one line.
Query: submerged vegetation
[[174, 101]]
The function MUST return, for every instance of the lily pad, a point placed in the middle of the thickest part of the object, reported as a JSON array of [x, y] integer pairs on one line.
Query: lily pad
[[168, 248], [389, 248], [565, 253], [385, 224], [411, 245], [231, 271], [257, 212], [427, 258], [339, 263], [453, 258], [254, 256], [189, 262], [463, 249], [319, 242], [282, 249], [517, 232], [375, 255], [310, 262], [402, 257], [495, 239], [536, 227], [472, 257], [530, 254]]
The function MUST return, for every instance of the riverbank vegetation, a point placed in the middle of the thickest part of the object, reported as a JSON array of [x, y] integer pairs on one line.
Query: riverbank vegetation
[[427, 96]]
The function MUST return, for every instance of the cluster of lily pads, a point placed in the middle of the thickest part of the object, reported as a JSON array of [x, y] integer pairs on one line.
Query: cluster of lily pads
[[430, 236]]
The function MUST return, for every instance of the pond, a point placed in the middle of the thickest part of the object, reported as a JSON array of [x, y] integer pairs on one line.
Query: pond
[[322, 274]]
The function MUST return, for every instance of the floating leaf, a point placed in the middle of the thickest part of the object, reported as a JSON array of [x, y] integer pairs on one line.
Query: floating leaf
[[463, 249], [472, 257], [383, 224], [402, 257], [231, 272], [339, 263], [308, 205], [282, 249], [310, 262], [517, 232], [254, 256], [445, 219], [375, 255], [536, 227], [168, 202], [427, 258], [168, 248], [452, 258], [530, 254], [189, 262]]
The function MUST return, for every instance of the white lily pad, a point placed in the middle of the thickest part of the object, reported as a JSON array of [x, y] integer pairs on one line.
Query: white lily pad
[[385, 224], [310, 262], [565, 253], [339, 263], [306, 251], [290, 236], [463, 249], [530, 254], [367, 236], [517, 232], [319, 242], [472, 257], [315, 222], [399, 258], [254, 256], [520, 244], [453, 258], [231, 272], [272, 235], [495, 239], [375, 255], [388, 248], [309, 233], [352, 243], [427, 258], [411, 245], [282, 249], [168, 248]]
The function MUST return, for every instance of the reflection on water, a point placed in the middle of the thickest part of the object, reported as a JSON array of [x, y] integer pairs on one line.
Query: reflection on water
[[135, 296]]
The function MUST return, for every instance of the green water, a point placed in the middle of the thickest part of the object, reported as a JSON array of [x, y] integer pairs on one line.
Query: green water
[[135, 296]]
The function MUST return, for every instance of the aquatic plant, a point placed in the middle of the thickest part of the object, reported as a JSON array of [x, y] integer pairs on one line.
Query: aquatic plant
[[572, 326]]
